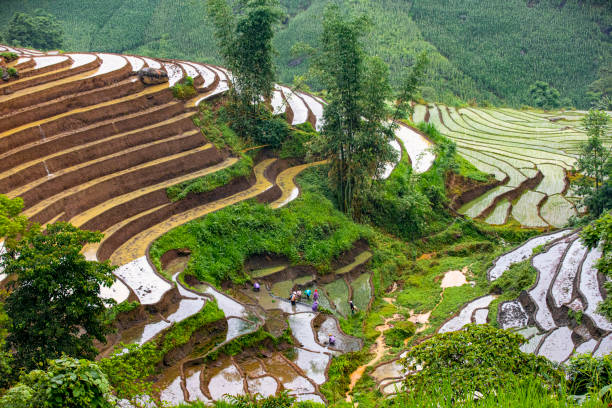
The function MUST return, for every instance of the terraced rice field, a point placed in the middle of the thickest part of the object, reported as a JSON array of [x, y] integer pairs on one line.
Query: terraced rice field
[[567, 280], [529, 152]]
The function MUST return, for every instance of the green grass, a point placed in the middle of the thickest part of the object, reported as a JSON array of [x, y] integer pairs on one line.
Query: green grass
[[210, 182]]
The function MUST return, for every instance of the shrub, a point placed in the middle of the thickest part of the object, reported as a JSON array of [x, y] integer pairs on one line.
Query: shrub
[[479, 358], [401, 331], [586, 373], [9, 56], [184, 89], [518, 277], [67, 383]]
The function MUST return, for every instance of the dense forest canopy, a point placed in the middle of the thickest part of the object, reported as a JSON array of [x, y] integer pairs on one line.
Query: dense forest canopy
[[491, 51]]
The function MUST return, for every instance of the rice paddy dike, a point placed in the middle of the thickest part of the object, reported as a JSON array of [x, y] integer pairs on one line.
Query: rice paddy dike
[[83, 140]]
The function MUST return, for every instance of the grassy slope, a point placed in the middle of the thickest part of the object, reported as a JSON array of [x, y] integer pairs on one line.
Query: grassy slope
[[475, 48]]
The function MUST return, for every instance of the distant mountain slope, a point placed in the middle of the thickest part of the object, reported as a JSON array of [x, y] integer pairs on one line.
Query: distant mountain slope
[[488, 51]]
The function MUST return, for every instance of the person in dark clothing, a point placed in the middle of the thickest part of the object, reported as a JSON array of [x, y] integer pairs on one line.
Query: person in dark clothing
[[353, 308]]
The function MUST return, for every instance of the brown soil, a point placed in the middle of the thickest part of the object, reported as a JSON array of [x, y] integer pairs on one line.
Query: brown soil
[[193, 200], [142, 177], [69, 102], [462, 190], [34, 146]]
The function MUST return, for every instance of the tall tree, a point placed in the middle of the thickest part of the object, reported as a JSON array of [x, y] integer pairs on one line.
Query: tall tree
[[595, 164], [54, 306], [244, 36], [40, 30], [599, 233], [359, 124]]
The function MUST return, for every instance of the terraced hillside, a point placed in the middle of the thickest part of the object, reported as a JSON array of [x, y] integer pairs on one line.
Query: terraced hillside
[[84, 140], [529, 154], [557, 315]]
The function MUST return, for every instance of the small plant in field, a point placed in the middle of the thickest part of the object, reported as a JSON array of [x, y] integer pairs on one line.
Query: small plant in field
[[575, 315], [184, 89]]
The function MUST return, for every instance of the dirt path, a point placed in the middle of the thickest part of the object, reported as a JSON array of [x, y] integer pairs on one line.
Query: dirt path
[[450, 279], [378, 349]]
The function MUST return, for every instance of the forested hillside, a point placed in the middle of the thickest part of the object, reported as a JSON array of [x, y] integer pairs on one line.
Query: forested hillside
[[488, 51]]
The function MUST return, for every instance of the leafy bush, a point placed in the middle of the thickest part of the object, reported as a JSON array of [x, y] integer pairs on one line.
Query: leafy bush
[[401, 331], [9, 56], [12, 72], [271, 131], [184, 89], [519, 276], [479, 358], [295, 146], [586, 373], [67, 383], [39, 30], [214, 127]]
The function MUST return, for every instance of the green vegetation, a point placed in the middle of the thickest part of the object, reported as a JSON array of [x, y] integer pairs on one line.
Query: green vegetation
[[600, 233], [210, 182], [480, 358], [566, 44], [9, 56], [55, 296], [309, 231], [40, 30], [184, 89], [67, 383], [595, 165], [339, 375], [544, 96], [129, 369], [244, 33]]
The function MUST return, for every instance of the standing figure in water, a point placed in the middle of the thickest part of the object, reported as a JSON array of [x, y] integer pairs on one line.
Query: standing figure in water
[[332, 340], [256, 287], [315, 306], [315, 296], [308, 292]]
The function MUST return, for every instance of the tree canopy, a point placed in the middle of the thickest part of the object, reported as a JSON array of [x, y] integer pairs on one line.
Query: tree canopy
[[544, 96], [40, 30], [55, 306]]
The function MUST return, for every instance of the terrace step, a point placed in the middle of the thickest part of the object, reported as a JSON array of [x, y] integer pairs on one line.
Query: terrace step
[[96, 131], [146, 169], [68, 102], [100, 75], [42, 65], [132, 245], [81, 64], [42, 166], [112, 211], [154, 95]]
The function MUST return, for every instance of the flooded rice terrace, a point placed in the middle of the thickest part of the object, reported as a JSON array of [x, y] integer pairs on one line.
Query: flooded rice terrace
[[299, 368]]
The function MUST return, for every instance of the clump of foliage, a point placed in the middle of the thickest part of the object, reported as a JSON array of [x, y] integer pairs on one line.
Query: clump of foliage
[[479, 358], [518, 277], [586, 373], [54, 305], [401, 331], [244, 36], [339, 374], [296, 144], [39, 30], [599, 233], [67, 383], [595, 164], [184, 89], [9, 56], [214, 127], [356, 134], [210, 182], [544, 96], [310, 231]]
